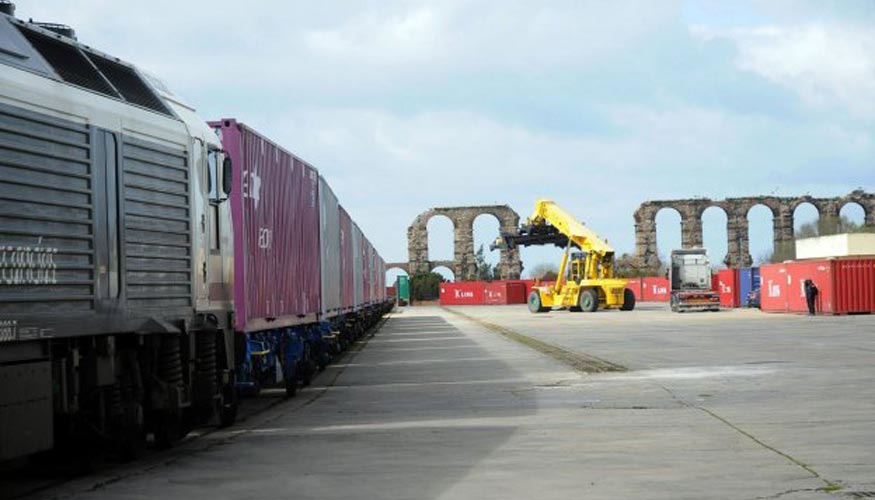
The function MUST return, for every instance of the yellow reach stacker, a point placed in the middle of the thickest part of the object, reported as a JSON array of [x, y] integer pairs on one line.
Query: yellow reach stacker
[[586, 278]]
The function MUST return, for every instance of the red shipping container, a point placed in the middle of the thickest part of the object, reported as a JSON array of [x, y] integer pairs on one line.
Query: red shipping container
[[844, 286], [495, 293], [773, 291], [275, 212], [516, 293], [655, 289], [715, 283], [727, 287], [635, 285], [347, 278], [504, 292], [854, 286], [820, 272], [461, 293]]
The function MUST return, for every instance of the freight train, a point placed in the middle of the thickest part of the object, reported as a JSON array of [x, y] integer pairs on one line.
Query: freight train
[[154, 266]]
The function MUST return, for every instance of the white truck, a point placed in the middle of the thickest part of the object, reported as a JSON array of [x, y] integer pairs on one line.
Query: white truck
[[690, 278]]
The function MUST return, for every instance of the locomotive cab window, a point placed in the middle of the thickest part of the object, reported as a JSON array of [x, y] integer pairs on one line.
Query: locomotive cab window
[[212, 175], [213, 160]]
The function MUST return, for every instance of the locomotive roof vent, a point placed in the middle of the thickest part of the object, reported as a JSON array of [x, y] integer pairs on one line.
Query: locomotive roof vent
[[61, 29], [79, 65], [7, 7]]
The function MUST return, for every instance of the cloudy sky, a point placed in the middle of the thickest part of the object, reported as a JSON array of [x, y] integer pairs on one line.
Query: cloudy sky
[[599, 105]]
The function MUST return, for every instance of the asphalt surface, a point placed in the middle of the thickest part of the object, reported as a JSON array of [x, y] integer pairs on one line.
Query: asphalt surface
[[497, 403]]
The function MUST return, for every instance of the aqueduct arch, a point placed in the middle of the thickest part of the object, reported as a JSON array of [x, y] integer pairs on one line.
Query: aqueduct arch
[[463, 263], [738, 244]]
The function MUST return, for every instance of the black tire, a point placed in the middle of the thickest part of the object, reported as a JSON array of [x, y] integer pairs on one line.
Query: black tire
[[307, 373], [535, 302], [292, 383], [628, 300], [168, 430], [228, 406], [131, 445], [588, 300]]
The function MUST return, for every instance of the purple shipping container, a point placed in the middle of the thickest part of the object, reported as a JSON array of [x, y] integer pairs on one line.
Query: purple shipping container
[[347, 280], [275, 212]]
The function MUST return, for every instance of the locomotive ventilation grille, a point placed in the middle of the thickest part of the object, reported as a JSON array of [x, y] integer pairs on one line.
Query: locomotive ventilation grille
[[94, 72]]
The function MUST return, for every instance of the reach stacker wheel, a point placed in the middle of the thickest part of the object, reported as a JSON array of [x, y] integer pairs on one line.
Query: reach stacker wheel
[[535, 302], [589, 301], [628, 300]]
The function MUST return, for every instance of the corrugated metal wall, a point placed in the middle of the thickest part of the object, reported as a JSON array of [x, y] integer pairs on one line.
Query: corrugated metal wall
[[357, 266], [275, 207], [367, 274], [329, 246], [347, 280]]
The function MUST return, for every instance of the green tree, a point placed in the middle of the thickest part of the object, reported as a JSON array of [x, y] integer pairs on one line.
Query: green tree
[[545, 272], [826, 226], [484, 271], [426, 286], [628, 266]]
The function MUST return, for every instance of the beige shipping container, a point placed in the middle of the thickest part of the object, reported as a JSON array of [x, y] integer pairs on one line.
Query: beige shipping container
[[837, 245]]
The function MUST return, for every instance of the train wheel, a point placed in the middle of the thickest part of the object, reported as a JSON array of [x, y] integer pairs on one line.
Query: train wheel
[[228, 408], [292, 383], [168, 430]]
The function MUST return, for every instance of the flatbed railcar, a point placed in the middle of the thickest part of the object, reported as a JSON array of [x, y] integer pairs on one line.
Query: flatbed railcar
[[120, 302]]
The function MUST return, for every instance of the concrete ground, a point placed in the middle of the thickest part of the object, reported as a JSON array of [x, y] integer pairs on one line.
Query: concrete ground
[[462, 403]]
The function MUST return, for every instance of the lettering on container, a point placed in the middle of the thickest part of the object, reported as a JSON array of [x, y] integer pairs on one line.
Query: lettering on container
[[28, 265], [8, 330], [265, 237], [252, 187], [659, 290], [774, 289], [464, 294], [724, 288]]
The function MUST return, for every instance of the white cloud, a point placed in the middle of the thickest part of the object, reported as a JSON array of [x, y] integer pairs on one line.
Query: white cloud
[[828, 66], [403, 165], [328, 80]]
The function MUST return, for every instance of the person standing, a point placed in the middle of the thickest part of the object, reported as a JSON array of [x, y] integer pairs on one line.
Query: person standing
[[810, 295]]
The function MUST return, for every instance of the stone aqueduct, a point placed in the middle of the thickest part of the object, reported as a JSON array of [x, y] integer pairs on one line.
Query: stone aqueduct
[[463, 264], [646, 253], [736, 209]]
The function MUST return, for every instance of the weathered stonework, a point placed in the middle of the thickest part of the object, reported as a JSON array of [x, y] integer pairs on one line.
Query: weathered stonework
[[736, 209], [463, 263]]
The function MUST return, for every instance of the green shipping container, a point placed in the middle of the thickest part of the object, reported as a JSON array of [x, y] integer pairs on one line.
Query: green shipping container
[[402, 287]]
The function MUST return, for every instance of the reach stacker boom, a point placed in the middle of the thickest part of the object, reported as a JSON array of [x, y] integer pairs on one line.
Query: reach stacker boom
[[586, 278]]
